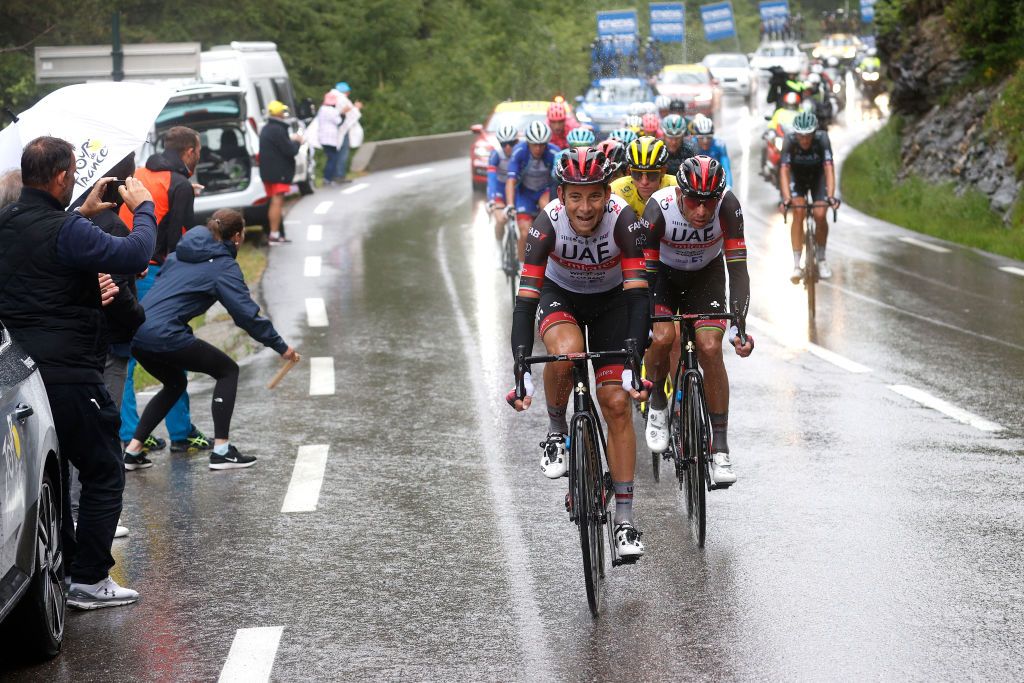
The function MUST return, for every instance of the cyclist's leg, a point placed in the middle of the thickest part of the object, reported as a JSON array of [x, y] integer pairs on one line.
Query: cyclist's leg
[[498, 214], [798, 199], [820, 213], [657, 359], [561, 334]]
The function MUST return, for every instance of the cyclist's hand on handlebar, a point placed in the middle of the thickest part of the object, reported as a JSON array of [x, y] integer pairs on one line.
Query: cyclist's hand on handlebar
[[783, 207], [510, 212], [834, 202], [744, 345], [490, 206], [521, 403], [627, 386]]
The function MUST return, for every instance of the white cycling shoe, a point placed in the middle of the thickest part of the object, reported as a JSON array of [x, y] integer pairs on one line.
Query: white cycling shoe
[[554, 463], [627, 541], [721, 470], [797, 275], [824, 271], [657, 429]]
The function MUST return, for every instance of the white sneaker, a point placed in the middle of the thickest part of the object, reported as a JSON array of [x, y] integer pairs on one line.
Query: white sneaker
[[797, 275], [105, 593], [121, 531], [627, 541], [554, 463], [721, 472], [824, 272], [657, 429]]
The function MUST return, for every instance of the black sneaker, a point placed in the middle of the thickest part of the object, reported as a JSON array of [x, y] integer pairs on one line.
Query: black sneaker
[[196, 441], [136, 462], [233, 460], [153, 443]]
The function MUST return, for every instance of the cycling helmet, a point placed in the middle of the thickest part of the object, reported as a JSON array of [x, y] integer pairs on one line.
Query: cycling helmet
[[833, 62], [538, 133], [623, 135], [507, 135], [651, 123], [872, 52], [814, 78], [805, 123], [615, 151], [678, 106], [674, 126], [649, 108], [583, 166], [702, 125], [817, 68], [556, 112], [791, 100], [701, 176], [636, 109], [662, 102], [580, 137], [635, 123], [647, 154]]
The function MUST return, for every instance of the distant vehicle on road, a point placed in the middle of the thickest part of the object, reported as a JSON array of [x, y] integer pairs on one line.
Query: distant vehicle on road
[[841, 45], [788, 56], [692, 83], [608, 100], [33, 596], [732, 71], [519, 114]]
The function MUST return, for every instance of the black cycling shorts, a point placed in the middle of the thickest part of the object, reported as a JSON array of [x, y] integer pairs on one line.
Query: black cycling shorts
[[799, 186], [602, 317], [692, 291]]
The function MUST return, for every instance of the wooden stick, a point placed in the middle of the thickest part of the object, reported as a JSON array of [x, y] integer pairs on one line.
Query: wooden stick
[[285, 369]]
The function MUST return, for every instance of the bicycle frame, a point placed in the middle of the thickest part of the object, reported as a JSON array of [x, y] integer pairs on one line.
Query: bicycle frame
[[810, 248]]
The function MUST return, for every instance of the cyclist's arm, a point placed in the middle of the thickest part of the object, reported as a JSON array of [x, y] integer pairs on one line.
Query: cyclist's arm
[[493, 184], [654, 218], [514, 162], [723, 158], [539, 242], [829, 167], [731, 215], [631, 236], [784, 170]]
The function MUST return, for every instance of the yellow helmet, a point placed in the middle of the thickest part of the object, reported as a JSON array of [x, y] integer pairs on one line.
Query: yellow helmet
[[647, 154]]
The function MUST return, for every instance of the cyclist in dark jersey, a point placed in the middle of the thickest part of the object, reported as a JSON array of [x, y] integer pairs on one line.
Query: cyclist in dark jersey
[[806, 166], [679, 148]]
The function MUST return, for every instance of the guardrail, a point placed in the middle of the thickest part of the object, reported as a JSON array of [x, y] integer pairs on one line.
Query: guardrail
[[384, 154]]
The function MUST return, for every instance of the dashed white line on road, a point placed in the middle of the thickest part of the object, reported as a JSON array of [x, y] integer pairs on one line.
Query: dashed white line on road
[[418, 171], [946, 408], [819, 351], [252, 653], [316, 313], [358, 187], [307, 478], [323, 207], [321, 376], [1012, 270], [311, 267], [315, 232], [925, 245]]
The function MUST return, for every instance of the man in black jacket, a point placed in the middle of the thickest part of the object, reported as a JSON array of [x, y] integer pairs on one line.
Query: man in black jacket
[[277, 165], [51, 304]]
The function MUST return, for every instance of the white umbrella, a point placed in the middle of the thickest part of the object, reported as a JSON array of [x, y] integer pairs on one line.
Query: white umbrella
[[104, 121]]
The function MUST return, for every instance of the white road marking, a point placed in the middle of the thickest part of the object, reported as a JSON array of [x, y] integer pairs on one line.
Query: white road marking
[[837, 360], [252, 653], [1013, 270], [323, 207], [946, 408], [795, 342], [925, 245], [358, 187], [524, 603], [311, 268], [418, 171], [307, 478], [316, 313], [315, 232], [321, 376]]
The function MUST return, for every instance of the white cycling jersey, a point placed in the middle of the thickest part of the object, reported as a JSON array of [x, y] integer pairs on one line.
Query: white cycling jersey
[[683, 246]]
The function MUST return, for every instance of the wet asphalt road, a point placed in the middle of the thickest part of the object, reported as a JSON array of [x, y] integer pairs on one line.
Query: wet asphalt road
[[868, 536]]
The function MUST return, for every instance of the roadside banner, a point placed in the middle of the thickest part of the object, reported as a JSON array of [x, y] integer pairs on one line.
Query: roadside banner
[[867, 11], [668, 21], [773, 10], [718, 21], [621, 27]]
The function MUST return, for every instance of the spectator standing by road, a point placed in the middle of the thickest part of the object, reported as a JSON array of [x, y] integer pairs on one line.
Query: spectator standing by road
[[51, 302], [167, 177], [352, 112], [328, 120], [278, 148]]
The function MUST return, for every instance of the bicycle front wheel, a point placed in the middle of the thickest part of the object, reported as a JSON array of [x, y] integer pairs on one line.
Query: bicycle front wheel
[[510, 259], [696, 458], [588, 491], [810, 264]]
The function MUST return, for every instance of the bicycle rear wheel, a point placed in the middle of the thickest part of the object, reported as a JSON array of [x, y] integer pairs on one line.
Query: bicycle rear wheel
[[810, 264], [696, 458], [510, 258], [588, 492]]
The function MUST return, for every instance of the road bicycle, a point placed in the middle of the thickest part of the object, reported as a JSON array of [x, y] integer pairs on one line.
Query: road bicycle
[[590, 483], [810, 272], [690, 422], [510, 256]]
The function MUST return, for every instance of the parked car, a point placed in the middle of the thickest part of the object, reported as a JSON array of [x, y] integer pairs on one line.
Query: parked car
[[519, 114], [33, 596], [787, 56], [732, 71], [692, 83], [841, 45], [608, 100]]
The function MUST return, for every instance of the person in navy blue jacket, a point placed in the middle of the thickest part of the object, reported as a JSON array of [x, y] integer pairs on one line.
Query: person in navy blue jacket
[[201, 271]]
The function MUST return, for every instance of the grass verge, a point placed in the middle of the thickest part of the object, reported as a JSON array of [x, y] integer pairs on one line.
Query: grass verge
[[870, 184]]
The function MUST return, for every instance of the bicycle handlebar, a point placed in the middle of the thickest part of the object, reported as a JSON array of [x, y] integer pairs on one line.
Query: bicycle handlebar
[[741, 325], [631, 354], [788, 205]]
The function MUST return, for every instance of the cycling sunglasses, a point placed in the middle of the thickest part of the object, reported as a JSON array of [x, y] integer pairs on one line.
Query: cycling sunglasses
[[652, 176], [693, 202]]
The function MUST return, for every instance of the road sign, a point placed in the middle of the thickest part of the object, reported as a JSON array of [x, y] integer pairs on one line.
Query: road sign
[[718, 21], [148, 61], [617, 23], [668, 21], [773, 10], [867, 11]]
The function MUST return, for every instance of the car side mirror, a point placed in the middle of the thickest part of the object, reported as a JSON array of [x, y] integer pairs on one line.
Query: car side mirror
[[477, 128]]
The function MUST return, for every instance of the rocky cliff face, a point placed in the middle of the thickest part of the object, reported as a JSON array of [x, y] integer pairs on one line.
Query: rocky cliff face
[[946, 141]]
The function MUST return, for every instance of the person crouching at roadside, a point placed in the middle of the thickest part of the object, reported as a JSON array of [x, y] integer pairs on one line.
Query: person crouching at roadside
[[202, 270]]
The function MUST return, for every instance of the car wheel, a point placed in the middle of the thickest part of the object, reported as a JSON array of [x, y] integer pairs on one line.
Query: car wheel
[[40, 614]]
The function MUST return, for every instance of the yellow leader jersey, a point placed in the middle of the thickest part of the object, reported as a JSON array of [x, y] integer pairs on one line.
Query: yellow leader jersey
[[626, 188]]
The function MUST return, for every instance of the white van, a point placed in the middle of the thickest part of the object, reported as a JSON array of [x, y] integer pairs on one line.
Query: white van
[[256, 68]]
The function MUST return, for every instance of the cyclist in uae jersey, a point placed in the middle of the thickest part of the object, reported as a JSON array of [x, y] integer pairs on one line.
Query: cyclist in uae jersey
[[585, 268], [497, 176], [646, 158], [806, 167], [529, 174], [695, 231]]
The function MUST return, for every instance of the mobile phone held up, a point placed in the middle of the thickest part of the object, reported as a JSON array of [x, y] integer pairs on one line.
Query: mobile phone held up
[[110, 193]]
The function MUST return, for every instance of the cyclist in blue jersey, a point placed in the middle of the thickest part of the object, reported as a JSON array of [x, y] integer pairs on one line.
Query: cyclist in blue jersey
[[528, 186], [702, 130], [497, 175]]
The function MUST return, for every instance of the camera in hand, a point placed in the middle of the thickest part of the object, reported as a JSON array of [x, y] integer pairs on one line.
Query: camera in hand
[[110, 192]]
